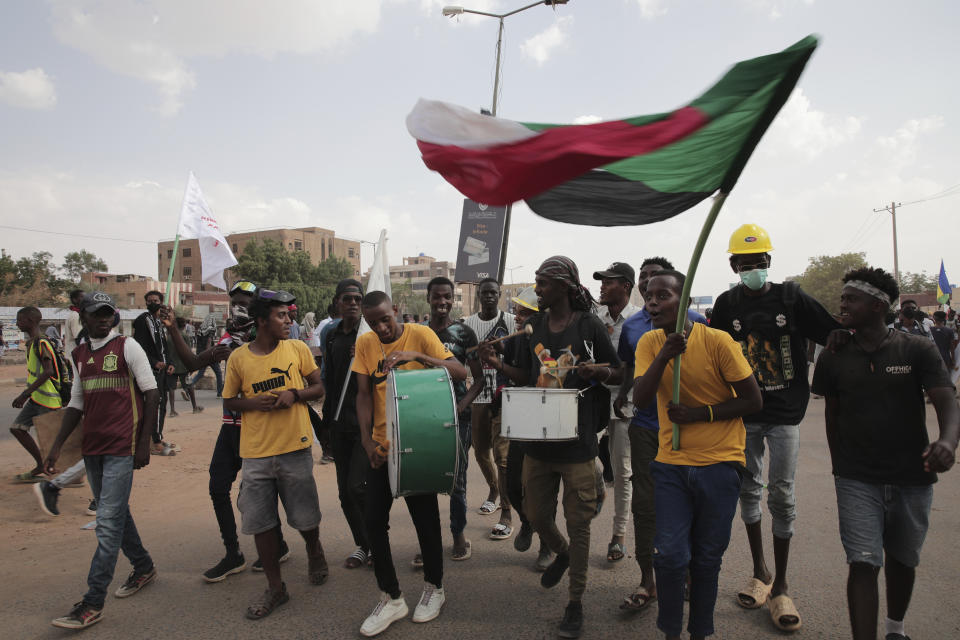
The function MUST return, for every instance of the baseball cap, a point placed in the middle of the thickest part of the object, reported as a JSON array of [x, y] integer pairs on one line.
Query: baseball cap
[[617, 270], [94, 300]]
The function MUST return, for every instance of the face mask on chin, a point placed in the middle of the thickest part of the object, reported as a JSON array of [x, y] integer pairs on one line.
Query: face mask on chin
[[754, 279]]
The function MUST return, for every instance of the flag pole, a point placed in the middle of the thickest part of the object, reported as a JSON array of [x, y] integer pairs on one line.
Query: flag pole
[[173, 261], [685, 298]]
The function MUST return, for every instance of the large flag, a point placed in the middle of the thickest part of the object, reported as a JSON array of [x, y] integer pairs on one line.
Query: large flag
[[943, 286], [625, 172], [197, 221]]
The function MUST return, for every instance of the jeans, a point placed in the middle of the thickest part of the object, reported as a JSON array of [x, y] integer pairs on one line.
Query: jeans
[[161, 376], [351, 462], [784, 443], [69, 476], [425, 513], [541, 484], [619, 431], [458, 499], [644, 444], [695, 508], [216, 371], [111, 478]]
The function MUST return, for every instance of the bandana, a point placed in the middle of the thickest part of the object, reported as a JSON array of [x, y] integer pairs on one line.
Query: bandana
[[563, 268], [868, 289]]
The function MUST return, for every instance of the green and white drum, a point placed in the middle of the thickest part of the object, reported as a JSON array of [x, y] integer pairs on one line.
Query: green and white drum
[[422, 427]]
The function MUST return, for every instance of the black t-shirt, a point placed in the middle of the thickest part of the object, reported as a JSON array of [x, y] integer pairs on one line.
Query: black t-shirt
[[585, 339], [337, 368], [774, 341], [881, 428], [458, 337], [943, 337]]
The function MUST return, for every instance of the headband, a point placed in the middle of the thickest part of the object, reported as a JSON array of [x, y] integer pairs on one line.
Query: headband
[[869, 289]]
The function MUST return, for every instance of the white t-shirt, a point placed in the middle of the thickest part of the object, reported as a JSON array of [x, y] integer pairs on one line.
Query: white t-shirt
[[483, 327]]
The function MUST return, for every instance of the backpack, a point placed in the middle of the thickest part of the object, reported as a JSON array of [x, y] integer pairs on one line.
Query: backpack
[[62, 382]]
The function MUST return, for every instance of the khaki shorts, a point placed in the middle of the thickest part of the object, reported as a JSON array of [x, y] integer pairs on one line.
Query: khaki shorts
[[289, 477]]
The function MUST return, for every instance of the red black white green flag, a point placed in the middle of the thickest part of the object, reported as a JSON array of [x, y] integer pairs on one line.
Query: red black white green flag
[[621, 172]]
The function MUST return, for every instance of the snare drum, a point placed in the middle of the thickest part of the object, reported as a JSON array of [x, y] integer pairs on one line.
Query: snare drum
[[534, 414], [422, 426]]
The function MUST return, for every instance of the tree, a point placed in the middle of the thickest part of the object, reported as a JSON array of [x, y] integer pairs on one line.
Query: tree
[[917, 282], [76, 263], [30, 281], [823, 277]]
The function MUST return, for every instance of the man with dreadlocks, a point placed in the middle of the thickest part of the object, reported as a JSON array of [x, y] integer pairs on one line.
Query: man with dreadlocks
[[566, 339]]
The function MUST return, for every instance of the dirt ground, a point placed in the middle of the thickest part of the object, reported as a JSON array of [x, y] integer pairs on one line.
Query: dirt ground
[[494, 594]]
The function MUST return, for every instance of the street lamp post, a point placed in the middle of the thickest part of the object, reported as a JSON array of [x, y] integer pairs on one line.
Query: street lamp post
[[451, 11]]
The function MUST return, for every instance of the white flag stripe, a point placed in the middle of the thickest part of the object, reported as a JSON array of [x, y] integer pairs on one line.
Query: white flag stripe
[[379, 276], [197, 221]]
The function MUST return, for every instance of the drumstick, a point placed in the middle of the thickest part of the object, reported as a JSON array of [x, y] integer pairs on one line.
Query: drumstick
[[527, 330], [588, 364]]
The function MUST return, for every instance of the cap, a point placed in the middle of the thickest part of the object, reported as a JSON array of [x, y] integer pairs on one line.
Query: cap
[[617, 270], [346, 285], [94, 300], [750, 238], [527, 298]]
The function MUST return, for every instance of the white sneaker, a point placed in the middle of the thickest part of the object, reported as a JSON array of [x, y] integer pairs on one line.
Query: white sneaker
[[384, 614], [430, 603]]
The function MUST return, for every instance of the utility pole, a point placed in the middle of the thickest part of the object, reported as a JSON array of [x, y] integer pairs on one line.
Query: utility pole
[[892, 209]]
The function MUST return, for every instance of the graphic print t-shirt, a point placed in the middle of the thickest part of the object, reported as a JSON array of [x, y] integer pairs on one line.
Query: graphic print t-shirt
[[458, 337], [271, 433], [775, 344], [370, 354]]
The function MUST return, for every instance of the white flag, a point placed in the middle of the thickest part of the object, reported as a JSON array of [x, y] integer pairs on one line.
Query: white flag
[[379, 276], [197, 221]]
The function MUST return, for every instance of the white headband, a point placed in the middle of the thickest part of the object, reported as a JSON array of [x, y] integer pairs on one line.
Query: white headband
[[869, 289]]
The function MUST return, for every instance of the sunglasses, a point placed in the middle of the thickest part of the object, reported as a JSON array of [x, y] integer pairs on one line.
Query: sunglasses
[[243, 285], [282, 297]]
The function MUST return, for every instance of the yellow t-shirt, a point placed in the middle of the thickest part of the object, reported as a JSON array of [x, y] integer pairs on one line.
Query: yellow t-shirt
[[271, 433], [369, 362], [711, 362]]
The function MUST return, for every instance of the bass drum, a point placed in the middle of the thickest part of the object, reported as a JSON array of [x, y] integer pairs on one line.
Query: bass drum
[[421, 416]]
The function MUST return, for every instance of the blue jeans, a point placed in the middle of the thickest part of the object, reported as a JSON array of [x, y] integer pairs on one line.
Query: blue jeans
[[216, 371], [458, 498], [784, 443], [111, 478], [695, 508]]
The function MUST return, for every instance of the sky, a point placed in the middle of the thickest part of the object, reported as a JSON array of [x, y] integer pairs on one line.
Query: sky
[[291, 114]]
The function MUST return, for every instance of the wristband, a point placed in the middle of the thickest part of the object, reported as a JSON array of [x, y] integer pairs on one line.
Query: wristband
[[710, 413], [296, 395]]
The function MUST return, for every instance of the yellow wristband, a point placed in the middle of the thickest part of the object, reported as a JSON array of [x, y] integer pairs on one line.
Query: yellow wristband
[[710, 412]]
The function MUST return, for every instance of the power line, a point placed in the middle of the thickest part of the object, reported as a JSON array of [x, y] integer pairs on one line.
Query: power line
[[74, 235]]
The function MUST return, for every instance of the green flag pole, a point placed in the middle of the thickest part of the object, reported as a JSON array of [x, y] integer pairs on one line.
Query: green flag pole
[[685, 298], [173, 261]]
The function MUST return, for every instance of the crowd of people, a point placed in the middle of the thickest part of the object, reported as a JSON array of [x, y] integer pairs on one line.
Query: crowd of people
[[680, 453]]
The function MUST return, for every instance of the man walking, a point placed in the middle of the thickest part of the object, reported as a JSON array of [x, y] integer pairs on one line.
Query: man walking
[[148, 332], [772, 323], [489, 447], [270, 380], [697, 485], [116, 399], [613, 309], [884, 465]]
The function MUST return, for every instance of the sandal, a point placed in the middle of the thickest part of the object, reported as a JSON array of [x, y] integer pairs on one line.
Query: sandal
[[465, 555], [317, 570], [501, 531], [754, 595], [616, 552], [163, 451], [784, 613], [27, 477], [417, 562], [488, 507], [638, 600], [267, 603], [357, 559]]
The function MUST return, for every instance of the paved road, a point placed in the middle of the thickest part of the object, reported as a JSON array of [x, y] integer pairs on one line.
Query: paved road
[[494, 594]]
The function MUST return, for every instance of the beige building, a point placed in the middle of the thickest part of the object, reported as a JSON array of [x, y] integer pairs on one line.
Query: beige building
[[419, 270], [129, 289], [319, 244]]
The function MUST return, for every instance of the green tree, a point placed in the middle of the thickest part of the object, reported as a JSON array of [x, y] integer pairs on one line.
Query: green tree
[[76, 263], [823, 277], [917, 282], [30, 280]]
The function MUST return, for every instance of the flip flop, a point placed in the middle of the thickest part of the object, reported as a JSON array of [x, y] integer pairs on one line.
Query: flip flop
[[501, 531], [754, 595], [616, 551], [356, 559], [638, 600], [465, 555], [782, 607], [488, 507], [27, 477]]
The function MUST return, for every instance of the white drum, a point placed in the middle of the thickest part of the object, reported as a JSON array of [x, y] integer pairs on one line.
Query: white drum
[[534, 414]]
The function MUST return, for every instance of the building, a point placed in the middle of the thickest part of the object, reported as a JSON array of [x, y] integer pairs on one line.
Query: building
[[319, 244], [129, 289], [419, 270]]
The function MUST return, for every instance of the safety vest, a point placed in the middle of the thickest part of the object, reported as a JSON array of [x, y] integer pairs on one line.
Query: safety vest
[[46, 394]]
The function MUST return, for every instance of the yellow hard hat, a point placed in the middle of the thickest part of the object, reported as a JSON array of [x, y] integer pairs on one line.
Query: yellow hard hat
[[527, 298], [750, 238]]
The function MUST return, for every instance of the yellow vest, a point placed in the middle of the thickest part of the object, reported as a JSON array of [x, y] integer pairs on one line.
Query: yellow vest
[[46, 394]]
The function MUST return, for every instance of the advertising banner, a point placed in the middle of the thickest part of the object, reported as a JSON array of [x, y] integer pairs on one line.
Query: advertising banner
[[481, 242]]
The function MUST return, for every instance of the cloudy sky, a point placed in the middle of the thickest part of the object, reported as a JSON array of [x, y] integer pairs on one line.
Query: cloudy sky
[[292, 114]]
